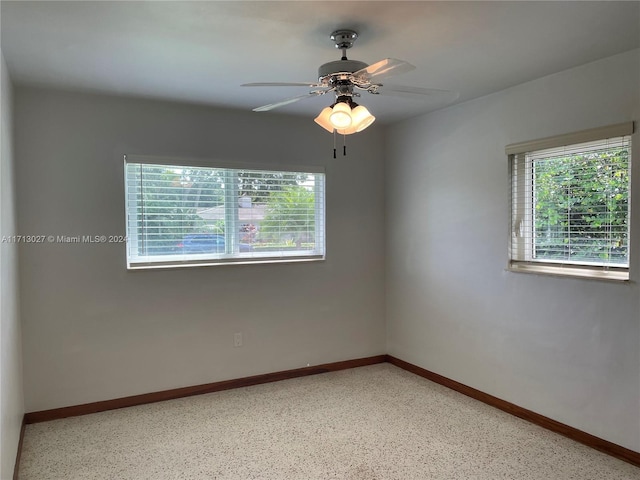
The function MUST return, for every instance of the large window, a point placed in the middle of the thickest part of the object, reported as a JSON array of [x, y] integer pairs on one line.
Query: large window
[[180, 215], [570, 204]]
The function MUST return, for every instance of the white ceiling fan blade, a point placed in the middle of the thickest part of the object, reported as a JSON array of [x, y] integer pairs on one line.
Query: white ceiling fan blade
[[287, 101], [383, 69], [417, 92], [281, 84]]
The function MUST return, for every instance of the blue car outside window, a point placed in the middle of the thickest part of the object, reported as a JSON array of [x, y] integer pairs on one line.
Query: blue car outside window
[[203, 243]]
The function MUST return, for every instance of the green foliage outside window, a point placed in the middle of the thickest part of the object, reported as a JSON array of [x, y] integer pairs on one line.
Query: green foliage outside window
[[291, 215], [581, 207]]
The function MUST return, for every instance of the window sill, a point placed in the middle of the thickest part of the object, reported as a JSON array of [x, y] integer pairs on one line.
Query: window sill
[[215, 263], [575, 271]]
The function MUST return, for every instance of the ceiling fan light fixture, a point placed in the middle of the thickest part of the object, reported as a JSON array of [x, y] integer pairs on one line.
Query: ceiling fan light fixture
[[323, 119], [340, 118], [347, 79]]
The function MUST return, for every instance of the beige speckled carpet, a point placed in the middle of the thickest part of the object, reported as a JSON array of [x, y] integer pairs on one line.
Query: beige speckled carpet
[[371, 423]]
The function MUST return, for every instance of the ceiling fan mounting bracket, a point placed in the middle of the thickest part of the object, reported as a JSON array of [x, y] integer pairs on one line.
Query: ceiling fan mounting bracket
[[344, 38]]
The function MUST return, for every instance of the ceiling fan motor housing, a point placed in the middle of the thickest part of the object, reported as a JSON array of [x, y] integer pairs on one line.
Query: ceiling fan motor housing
[[340, 66]]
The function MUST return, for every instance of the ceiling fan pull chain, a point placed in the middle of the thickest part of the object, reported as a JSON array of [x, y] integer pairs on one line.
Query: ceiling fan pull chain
[[344, 145], [334, 143]]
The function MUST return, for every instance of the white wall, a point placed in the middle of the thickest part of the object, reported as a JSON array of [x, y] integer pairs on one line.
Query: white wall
[[95, 331], [11, 399], [566, 348]]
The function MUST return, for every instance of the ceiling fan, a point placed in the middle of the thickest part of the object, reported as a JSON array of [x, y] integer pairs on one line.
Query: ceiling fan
[[347, 79]]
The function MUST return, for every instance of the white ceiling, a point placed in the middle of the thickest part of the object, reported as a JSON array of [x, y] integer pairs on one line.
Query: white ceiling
[[202, 51]]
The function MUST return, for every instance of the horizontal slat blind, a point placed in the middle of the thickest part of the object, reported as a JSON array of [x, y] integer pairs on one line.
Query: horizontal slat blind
[[183, 215], [207, 163], [570, 205]]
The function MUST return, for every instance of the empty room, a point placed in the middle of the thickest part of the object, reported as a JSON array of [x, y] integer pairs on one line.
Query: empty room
[[320, 240]]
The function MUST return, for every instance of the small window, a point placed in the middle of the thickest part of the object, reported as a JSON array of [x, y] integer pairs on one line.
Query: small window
[[570, 208], [181, 215]]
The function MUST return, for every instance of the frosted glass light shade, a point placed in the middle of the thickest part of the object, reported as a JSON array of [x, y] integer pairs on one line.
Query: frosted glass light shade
[[361, 118], [323, 119], [341, 116], [347, 131]]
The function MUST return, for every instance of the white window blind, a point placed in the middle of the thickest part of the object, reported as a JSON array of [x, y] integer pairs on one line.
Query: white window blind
[[180, 215], [570, 208]]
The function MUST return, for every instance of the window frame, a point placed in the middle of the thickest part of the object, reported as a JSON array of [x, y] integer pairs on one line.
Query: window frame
[[520, 251], [230, 256]]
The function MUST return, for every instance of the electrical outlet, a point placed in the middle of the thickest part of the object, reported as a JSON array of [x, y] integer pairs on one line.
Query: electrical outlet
[[237, 339]]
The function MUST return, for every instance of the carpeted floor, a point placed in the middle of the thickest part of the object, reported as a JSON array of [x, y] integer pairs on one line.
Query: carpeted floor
[[370, 423]]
